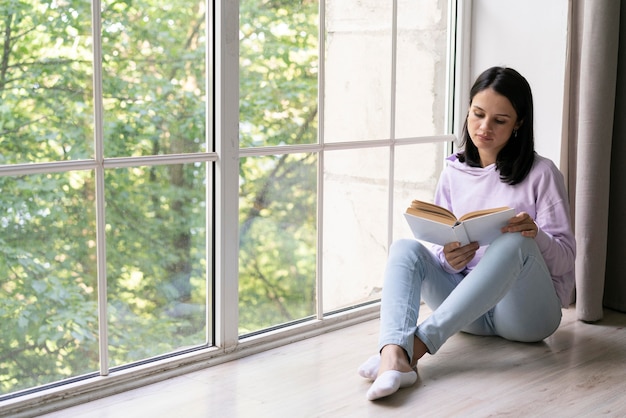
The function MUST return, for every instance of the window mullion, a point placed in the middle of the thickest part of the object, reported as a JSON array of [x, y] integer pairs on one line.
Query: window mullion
[[227, 173], [100, 204], [210, 194], [321, 86], [392, 121], [459, 28]]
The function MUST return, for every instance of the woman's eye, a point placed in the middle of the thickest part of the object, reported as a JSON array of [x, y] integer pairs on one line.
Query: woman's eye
[[478, 115], [500, 122]]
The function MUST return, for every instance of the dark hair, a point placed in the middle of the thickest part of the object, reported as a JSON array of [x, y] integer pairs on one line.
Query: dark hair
[[515, 160]]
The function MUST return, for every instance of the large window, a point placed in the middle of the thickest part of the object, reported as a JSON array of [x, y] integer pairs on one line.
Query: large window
[[355, 117], [104, 181], [179, 179]]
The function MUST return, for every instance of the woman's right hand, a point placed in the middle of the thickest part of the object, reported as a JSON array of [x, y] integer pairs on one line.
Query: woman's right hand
[[458, 256]]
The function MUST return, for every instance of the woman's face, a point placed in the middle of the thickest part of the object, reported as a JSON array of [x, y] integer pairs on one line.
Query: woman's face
[[490, 123]]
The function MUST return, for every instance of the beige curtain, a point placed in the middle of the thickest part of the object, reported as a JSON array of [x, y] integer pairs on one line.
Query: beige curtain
[[589, 113], [615, 284]]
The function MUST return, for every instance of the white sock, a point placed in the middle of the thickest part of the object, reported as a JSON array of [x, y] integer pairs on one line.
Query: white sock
[[389, 382], [369, 369]]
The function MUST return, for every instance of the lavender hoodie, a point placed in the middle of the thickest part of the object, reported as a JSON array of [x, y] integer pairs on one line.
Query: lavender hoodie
[[542, 195]]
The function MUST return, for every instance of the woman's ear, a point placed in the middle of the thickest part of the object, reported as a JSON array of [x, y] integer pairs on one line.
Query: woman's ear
[[518, 124]]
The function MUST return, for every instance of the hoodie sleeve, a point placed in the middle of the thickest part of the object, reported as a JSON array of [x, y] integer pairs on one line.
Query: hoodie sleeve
[[555, 237]]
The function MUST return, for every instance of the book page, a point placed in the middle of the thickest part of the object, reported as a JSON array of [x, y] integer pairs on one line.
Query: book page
[[431, 211], [433, 216], [428, 230], [482, 212], [482, 229]]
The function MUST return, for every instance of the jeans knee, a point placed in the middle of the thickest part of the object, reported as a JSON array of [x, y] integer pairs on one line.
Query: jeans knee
[[529, 328], [511, 238], [513, 243], [535, 335], [408, 250]]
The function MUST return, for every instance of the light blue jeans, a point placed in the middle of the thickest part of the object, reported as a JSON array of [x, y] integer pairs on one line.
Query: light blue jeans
[[509, 294]]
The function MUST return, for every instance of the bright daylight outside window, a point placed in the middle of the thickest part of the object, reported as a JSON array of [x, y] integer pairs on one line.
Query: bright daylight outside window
[[153, 108], [106, 169], [365, 107]]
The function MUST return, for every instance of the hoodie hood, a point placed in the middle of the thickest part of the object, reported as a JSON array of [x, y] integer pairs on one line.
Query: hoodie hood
[[453, 162]]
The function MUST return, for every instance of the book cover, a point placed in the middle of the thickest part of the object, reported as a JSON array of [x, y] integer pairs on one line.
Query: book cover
[[482, 228]]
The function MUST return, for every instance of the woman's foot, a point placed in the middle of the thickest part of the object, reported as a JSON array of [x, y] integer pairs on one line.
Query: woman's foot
[[389, 382], [394, 372], [369, 369]]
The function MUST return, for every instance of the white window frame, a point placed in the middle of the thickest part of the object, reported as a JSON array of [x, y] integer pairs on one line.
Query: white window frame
[[222, 117]]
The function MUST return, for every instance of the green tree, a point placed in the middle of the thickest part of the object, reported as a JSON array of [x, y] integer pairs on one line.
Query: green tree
[[154, 98], [278, 106], [47, 262]]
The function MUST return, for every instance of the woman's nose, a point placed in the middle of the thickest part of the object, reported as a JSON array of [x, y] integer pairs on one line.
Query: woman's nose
[[486, 124]]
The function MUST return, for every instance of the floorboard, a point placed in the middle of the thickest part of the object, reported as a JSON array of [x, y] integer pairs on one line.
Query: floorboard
[[579, 371]]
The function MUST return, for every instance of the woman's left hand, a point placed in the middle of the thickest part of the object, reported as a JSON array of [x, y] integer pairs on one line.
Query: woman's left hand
[[523, 223]]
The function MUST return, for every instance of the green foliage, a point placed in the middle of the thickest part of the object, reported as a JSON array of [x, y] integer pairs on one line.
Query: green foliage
[[48, 324], [154, 99], [154, 77], [278, 72], [155, 260], [278, 106], [44, 74], [277, 240]]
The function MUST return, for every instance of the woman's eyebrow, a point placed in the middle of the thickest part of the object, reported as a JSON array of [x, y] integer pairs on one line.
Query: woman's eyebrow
[[505, 115]]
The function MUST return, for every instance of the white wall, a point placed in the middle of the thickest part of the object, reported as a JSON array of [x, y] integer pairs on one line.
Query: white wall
[[531, 37]]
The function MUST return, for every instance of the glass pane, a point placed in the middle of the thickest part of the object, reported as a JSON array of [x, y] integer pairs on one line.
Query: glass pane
[[356, 193], [48, 303], [357, 90], [45, 81], [156, 260], [417, 169], [277, 240], [278, 66], [422, 48], [154, 75]]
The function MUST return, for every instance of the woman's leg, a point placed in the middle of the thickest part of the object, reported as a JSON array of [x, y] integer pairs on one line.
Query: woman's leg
[[509, 293], [409, 265], [531, 310]]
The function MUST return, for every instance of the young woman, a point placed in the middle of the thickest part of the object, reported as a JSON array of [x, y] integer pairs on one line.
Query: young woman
[[513, 288]]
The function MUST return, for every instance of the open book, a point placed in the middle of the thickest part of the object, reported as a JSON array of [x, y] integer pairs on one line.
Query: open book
[[433, 223]]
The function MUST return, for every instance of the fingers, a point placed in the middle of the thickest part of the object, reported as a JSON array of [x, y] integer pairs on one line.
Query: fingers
[[530, 233], [458, 256], [523, 223]]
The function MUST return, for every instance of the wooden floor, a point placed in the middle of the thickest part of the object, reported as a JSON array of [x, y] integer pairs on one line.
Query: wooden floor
[[579, 371]]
